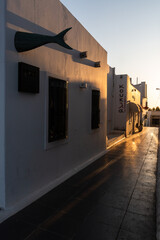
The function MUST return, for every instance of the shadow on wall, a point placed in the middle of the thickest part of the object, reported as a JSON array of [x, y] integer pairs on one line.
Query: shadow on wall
[[32, 27]]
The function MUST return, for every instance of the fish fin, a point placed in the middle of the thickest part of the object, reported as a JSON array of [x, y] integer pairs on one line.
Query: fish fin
[[60, 39]]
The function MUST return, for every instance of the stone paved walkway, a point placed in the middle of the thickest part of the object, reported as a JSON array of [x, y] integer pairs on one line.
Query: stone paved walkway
[[112, 199]]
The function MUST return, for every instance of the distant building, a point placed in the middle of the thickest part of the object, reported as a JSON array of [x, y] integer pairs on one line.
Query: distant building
[[153, 118], [142, 87], [124, 111]]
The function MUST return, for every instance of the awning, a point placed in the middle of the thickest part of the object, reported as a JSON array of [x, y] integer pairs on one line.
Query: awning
[[134, 107]]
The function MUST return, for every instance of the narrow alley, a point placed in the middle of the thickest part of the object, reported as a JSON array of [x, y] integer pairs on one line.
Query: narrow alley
[[112, 199]]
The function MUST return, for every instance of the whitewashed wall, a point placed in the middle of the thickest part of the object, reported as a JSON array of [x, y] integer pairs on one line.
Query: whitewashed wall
[[2, 103], [32, 170], [133, 95], [142, 87], [110, 100]]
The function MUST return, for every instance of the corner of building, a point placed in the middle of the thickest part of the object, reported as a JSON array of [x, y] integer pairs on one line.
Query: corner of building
[[2, 102]]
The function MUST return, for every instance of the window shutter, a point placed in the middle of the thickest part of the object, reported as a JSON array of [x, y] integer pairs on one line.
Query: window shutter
[[95, 109], [57, 109]]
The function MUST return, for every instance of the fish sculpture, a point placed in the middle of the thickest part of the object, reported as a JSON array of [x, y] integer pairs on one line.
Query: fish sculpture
[[27, 41]]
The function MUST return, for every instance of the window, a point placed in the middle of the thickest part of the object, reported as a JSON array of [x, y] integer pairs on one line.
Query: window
[[95, 109], [28, 78], [155, 122], [57, 114]]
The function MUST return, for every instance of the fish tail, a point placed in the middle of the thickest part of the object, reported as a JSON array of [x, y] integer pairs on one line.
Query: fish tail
[[59, 38]]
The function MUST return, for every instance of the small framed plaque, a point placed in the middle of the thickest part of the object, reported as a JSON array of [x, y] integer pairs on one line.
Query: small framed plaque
[[28, 78]]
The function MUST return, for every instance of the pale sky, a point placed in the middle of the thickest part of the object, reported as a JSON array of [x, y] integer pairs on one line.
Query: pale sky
[[129, 30]]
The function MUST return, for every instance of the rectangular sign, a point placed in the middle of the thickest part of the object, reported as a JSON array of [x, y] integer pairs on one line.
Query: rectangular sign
[[122, 98]]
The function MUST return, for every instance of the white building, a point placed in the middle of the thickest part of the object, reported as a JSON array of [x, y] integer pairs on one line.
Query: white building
[[153, 118], [142, 87], [46, 138], [123, 104]]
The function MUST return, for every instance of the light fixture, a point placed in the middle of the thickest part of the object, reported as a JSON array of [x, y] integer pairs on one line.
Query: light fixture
[[83, 85]]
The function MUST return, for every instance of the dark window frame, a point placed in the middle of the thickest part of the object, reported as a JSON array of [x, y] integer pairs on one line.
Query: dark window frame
[[57, 109], [28, 78], [95, 112], [155, 121]]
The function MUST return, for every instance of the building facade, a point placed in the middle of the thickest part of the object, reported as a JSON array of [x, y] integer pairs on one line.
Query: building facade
[[53, 101], [142, 87], [124, 111], [153, 119]]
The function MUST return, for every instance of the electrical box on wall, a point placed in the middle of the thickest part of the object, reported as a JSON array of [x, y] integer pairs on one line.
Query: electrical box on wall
[[28, 78], [83, 85]]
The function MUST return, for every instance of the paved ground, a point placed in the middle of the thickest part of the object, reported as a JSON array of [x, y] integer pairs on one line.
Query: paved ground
[[114, 137], [112, 199]]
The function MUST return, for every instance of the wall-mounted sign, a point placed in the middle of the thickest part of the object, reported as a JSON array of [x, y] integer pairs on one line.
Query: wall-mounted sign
[[28, 78], [122, 99], [27, 41]]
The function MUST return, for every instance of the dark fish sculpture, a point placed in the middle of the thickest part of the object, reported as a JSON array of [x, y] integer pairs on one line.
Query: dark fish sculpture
[[27, 41]]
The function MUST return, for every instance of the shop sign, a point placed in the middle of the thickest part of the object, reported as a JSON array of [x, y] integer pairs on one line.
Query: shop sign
[[122, 99]]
